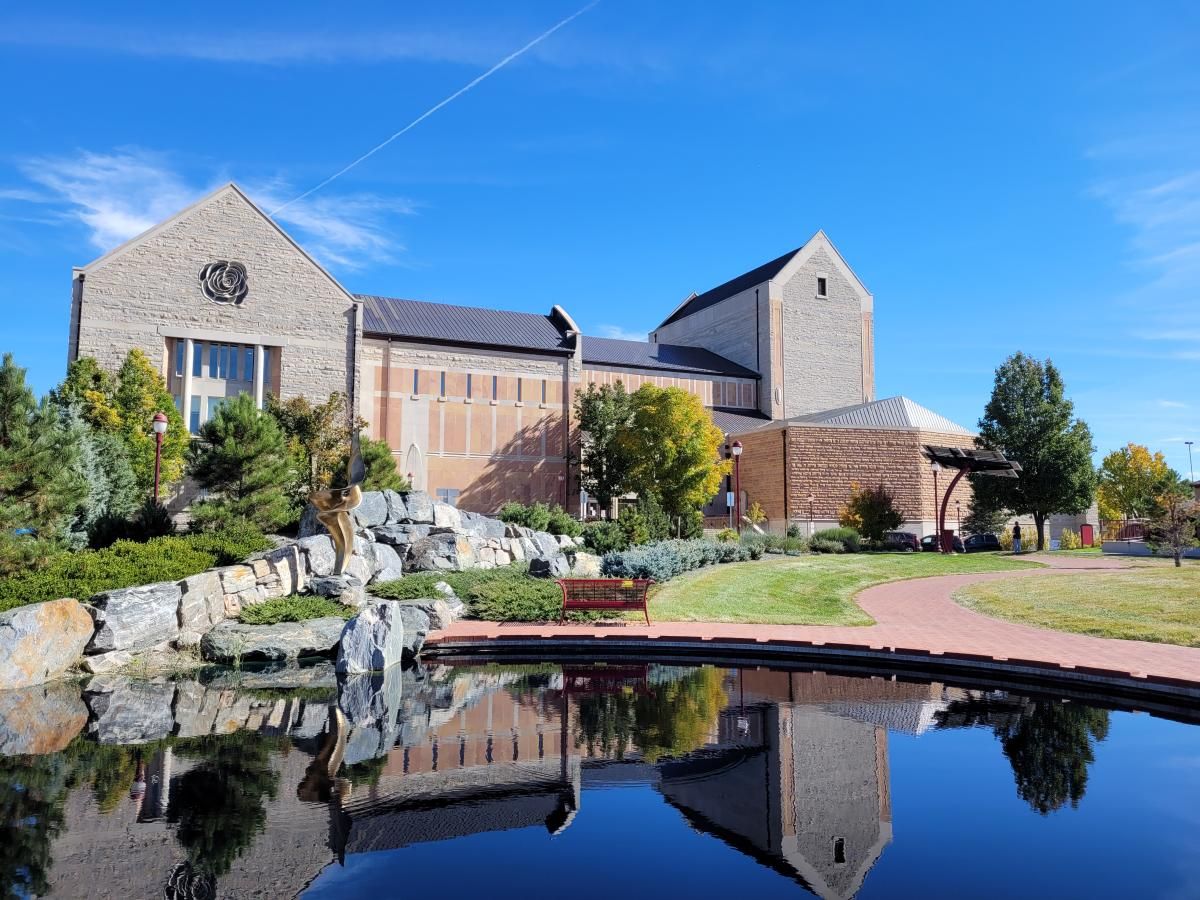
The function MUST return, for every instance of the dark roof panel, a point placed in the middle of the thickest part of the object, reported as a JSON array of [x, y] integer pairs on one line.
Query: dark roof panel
[[743, 282], [467, 325], [737, 421], [671, 357]]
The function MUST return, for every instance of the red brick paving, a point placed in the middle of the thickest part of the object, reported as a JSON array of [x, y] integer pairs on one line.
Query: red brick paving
[[917, 615]]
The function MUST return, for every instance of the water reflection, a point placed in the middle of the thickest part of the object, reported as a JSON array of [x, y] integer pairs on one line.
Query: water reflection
[[251, 785]]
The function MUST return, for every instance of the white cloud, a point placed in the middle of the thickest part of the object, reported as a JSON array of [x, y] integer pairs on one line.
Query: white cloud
[[118, 195], [1172, 404], [621, 334]]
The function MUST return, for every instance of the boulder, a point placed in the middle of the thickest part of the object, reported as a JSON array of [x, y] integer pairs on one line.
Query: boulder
[[401, 535], [309, 524], [345, 589], [446, 516], [201, 606], [549, 567], [387, 564], [235, 579], [585, 565], [441, 552], [135, 618], [287, 564], [397, 512], [319, 555], [129, 711], [373, 640], [39, 642], [419, 507], [40, 718], [372, 511], [546, 543], [233, 641], [484, 527], [113, 661], [437, 610], [416, 629]]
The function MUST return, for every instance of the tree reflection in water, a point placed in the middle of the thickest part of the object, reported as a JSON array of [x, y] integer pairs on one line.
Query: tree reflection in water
[[667, 718], [1049, 744], [31, 817], [219, 805]]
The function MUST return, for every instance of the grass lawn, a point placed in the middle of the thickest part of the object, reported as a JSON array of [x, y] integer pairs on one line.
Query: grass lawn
[[1150, 603], [801, 590]]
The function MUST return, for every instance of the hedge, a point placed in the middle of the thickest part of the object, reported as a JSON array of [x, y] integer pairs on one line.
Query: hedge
[[505, 594], [666, 559], [85, 573], [850, 539], [293, 609]]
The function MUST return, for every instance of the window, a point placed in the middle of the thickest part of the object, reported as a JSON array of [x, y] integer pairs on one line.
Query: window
[[214, 353], [248, 369], [448, 495], [179, 359], [839, 851], [416, 381], [233, 363], [214, 404], [495, 387], [223, 361], [442, 385], [543, 390], [468, 384], [821, 287], [197, 359], [520, 389], [267, 365], [194, 415]]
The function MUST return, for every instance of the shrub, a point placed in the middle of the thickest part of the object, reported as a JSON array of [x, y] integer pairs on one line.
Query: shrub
[[664, 560], [727, 535], [637, 530], [505, 594], [794, 545], [755, 513], [540, 517], [871, 511], [850, 539], [604, 537], [794, 530], [562, 522], [1005, 537], [126, 564], [293, 609], [1069, 540], [824, 545]]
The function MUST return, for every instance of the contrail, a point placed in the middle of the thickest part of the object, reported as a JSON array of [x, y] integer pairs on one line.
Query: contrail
[[429, 112]]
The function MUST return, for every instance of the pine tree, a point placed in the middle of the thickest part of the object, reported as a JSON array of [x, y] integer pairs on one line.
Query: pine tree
[[382, 474], [41, 489], [140, 393], [242, 457]]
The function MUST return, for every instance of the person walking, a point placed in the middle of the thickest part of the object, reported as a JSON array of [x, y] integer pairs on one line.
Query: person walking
[[1017, 538]]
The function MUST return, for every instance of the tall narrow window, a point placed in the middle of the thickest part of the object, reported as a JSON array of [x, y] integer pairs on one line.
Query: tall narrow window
[[821, 287], [416, 381], [442, 385], [839, 851], [495, 387], [223, 362], [234, 353], [468, 384], [543, 390], [248, 369], [214, 353], [194, 415], [179, 359], [197, 360], [520, 389], [266, 365]]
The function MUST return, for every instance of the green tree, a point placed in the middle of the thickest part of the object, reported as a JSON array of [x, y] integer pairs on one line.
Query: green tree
[[1029, 419], [1176, 516], [982, 519], [1128, 482], [41, 489], [318, 436], [32, 790], [103, 464], [382, 474], [674, 448], [89, 388], [140, 393], [871, 512], [242, 458], [603, 413]]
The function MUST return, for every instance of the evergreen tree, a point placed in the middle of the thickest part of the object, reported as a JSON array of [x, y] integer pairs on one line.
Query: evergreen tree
[[89, 388], [140, 393], [103, 464], [242, 459], [1029, 419], [41, 489], [382, 474]]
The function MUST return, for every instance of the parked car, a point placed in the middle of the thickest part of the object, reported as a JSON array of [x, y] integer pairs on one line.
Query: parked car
[[978, 543], [929, 544], [903, 541]]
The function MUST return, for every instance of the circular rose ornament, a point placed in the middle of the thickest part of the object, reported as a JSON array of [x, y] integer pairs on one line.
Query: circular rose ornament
[[224, 282]]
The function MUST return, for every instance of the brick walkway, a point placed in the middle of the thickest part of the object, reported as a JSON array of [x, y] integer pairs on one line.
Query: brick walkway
[[917, 615]]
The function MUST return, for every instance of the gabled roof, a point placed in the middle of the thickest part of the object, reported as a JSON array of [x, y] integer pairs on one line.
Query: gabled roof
[[671, 357], [463, 325], [891, 412], [124, 248], [745, 281]]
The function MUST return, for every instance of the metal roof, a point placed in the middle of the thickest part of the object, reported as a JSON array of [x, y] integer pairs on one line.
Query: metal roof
[[738, 421], [891, 412], [743, 282], [673, 357], [465, 325]]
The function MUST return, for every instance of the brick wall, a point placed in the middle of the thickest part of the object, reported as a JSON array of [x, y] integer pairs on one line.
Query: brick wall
[[150, 291]]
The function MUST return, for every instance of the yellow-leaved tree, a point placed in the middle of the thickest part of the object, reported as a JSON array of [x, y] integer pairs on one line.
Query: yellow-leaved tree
[[1128, 482], [674, 450]]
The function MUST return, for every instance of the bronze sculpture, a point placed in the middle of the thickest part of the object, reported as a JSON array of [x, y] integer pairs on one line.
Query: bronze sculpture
[[335, 504]]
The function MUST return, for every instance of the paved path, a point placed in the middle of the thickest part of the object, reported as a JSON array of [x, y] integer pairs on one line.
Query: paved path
[[916, 615]]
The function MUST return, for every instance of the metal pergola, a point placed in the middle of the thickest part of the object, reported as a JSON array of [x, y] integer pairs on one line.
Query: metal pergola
[[967, 460]]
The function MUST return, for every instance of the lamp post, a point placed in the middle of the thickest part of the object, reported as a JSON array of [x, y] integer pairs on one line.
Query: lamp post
[[1191, 471], [737, 483], [937, 523], [958, 515], [811, 501], [159, 424]]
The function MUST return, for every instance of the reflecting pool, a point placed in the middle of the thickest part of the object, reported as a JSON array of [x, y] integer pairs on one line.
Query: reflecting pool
[[605, 780]]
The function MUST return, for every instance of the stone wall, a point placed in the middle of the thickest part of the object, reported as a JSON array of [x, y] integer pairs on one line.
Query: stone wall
[[148, 291]]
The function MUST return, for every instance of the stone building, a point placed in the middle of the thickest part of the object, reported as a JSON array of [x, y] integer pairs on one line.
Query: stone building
[[475, 403]]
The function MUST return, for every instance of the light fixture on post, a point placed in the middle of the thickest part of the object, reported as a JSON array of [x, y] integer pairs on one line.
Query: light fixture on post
[[937, 524], [1191, 471], [958, 511], [736, 449], [159, 424], [811, 501]]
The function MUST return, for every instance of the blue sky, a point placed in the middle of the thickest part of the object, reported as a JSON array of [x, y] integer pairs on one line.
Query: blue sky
[[1002, 177]]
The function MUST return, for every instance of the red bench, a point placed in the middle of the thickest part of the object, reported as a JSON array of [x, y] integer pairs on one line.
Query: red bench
[[617, 594]]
